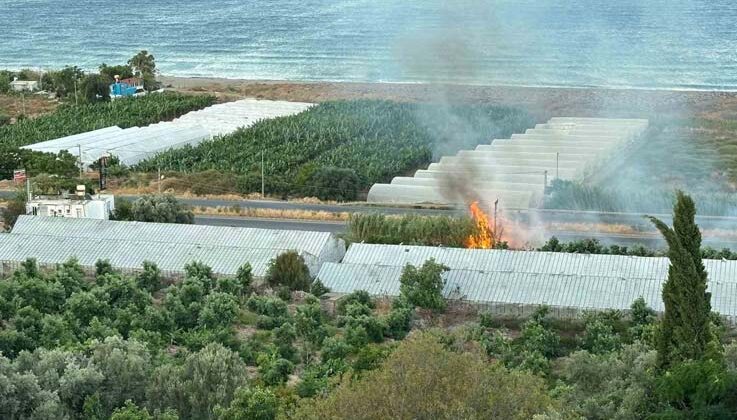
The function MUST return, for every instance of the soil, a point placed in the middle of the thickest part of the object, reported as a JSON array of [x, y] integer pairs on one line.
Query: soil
[[14, 105]]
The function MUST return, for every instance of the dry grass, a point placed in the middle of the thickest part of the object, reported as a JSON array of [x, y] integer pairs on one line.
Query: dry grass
[[35, 105], [271, 213]]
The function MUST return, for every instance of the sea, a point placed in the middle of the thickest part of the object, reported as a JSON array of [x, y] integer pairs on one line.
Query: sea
[[647, 44]]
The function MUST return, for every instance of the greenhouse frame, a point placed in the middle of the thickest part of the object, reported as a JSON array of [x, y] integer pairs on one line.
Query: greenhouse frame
[[132, 145], [53, 240], [564, 148]]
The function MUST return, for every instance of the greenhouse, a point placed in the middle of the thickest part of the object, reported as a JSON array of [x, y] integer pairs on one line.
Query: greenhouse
[[316, 247], [596, 265], [520, 293], [129, 256], [517, 282], [563, 148], [135, 144]]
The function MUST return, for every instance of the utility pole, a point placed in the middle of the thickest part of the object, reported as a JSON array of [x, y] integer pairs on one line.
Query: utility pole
[[158, 170], [28, 188], [263, 189], [557, 159], [81, 165], [23, 102], [76, 100], [496, 234], [545, 181]]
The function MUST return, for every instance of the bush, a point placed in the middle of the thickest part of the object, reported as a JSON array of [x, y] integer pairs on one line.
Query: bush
[[334, 348], [274, 370], [399, 319], [424, 287], [358, 297], [289, 269], [330, 183], [250, 403], [318, 289]]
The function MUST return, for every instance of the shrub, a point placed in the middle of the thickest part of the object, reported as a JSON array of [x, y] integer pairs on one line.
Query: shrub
[[330, 183], [318, 289], [358, 297], [424, 287], [289, 269]]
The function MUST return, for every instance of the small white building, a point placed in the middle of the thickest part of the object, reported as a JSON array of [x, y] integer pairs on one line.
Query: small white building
[[89, 207], [24, 85]]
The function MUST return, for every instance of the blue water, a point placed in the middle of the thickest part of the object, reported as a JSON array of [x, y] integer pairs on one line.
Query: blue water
[[607, 43]]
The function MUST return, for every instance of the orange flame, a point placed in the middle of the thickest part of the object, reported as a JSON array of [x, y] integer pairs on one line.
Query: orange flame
[[484, 237]]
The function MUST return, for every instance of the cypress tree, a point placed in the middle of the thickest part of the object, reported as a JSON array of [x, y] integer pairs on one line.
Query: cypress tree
[[685, 329]]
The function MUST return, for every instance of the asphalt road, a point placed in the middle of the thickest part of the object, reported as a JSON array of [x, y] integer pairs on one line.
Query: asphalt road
[[320, 226]]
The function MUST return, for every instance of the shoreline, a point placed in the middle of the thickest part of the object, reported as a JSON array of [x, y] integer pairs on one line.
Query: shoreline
[[542, 102]]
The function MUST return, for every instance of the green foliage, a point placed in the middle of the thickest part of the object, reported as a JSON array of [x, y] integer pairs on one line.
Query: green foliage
[[144, 66], [469, 389], [318, 289], [410, 229], [309, 323], [204, 380], [599, 335], [399, 318], [250, 403], [330, 183], [569, 195], [15, 207], [685, 330], [94, 87], [163, 208], [273, 369], [109, 72], [697, 390], [289, 269], [359, 297], [376, 139], [219, 310], [244, 275], [335, 348], [69, 119], [272, 311], [5, 78], [609, 386], [150, 277], [423, 287]]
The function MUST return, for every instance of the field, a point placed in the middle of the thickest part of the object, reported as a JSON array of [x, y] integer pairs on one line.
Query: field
[[70, 119], [375, 139]]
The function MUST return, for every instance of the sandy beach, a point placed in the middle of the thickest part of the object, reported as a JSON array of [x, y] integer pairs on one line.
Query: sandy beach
[[542, 102]]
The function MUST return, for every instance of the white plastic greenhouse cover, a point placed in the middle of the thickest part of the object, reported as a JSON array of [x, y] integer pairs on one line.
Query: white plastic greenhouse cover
[[130, 255], [135, 144], [579, 292], [321, 246], [565, 148], [595, 265]]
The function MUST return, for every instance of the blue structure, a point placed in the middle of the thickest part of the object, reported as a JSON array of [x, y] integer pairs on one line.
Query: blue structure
[[126, 87]]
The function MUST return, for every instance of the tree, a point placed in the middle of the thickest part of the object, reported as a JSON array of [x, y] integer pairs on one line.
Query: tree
[[109, 72], [162, 208], [685, 330], [250, 403], [144, 66], [94, 87], [65, 82], [16, 206], [206, 379], [5, 78], [330, 183], [421, 379], [219, 310], [289, 269], [424, 287], [126, 366]]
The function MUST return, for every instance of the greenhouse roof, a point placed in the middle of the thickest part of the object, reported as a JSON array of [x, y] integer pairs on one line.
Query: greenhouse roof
[[313, 243], [581, 292], [134, 144], [593, 265], [169, 257], [566, 148]]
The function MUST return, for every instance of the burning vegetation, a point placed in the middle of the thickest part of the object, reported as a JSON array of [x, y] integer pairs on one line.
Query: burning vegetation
[[486, 235]]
